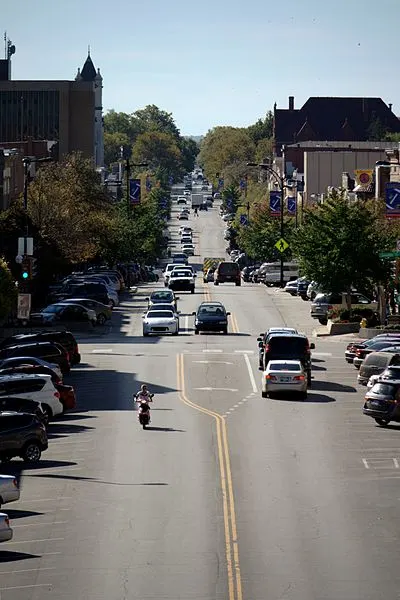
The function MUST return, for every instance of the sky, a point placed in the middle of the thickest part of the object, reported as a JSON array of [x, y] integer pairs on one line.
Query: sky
[[214, 62]]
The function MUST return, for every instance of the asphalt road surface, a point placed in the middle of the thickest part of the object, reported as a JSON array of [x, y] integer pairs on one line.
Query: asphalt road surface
[[227, 496]]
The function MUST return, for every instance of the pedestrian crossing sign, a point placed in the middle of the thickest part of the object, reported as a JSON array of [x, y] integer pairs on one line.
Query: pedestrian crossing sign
[[281, 245]]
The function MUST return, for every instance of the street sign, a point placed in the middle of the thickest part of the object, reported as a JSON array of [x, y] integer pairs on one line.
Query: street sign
[[134, 191], [275, 202], [24, 306], [394, 254], [392, 199], [243, 220], [281, 245], [25, 246]]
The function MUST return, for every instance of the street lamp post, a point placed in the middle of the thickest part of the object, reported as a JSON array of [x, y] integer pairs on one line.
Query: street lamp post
[[128, 168], [280, 180]]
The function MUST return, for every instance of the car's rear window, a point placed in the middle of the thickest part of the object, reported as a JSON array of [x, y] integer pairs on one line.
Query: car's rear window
[[377, 359], [392, 372], [228, 268], [161, 296], [212, 311], [288, 345], [181, 274], [384, 389], [283, 366]]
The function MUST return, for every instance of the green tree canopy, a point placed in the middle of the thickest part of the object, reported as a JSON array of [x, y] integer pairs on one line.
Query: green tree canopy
[[262, 129], [339, 244], [152, 118], [223, 146], [158, 149], [8, 291]]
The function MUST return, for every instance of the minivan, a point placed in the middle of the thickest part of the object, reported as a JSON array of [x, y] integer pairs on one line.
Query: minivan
[[375, 363], [227, 272]]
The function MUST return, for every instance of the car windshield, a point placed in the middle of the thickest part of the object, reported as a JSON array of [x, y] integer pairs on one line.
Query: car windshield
[[161, 297], [211, 311], [273, 366], [288, 346], [53, 308], [160, 314]]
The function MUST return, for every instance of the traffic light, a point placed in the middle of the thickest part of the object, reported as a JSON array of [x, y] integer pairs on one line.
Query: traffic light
[[26, 270]]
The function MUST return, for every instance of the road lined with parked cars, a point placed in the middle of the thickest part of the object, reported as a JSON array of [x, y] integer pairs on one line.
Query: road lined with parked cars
[[246, 483]]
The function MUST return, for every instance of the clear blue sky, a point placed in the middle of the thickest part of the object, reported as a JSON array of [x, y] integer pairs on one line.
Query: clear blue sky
[[214, 62]]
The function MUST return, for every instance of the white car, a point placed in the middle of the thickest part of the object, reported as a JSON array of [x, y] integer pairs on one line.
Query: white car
[[182, 279], [167, 272], [284, 376], [9, 490], [185, 229], [6, 532], [160, 321], [33, 387], [188, 249]]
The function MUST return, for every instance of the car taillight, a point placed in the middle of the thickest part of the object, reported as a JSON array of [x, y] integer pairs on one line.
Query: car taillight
[[56, 394], [15, 482], [299, 378], [7, 521], [67, 356], [358, 352], [270, 377], [266, 347]]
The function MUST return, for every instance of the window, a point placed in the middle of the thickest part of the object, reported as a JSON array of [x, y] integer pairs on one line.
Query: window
[[16, 387], [288, 345]]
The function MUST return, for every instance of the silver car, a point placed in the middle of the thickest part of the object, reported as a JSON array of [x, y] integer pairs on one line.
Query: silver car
[[9, 490], [160, 321], [6, 532], [284, 376]]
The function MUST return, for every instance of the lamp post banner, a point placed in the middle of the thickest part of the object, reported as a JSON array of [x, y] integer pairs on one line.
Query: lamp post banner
[[393, 199], [134, 191], [291, 205], [275, 203]]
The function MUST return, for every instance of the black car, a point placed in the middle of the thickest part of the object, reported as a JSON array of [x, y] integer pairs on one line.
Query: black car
[[302, 287], [382, 402], [211, 316], [203, 206], [21, 434], [64, 338], [287, 346], [23, 405], [95, 291], [67, 313], [48, 351]]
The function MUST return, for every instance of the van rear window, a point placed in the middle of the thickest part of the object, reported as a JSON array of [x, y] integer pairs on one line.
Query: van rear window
[[228, 268]]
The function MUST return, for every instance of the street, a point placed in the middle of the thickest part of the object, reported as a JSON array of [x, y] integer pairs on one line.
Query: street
[[227, 496]]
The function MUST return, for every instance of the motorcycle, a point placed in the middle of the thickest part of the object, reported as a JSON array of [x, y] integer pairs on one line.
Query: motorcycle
[[144, 411]]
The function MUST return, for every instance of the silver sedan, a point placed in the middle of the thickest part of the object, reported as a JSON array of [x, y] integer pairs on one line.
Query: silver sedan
[[9, 490], [284, 376], [6, 532], [160, 321]]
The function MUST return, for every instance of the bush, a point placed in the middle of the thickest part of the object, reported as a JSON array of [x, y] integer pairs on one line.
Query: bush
[[354, 315]]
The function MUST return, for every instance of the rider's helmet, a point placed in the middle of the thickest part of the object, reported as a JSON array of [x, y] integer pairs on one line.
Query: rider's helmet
[[143, 388]]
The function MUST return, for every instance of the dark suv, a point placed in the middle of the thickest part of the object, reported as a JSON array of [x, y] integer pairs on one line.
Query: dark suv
[[64, 338], [227, 272], [23, 435], [287, 346], [48, 351]]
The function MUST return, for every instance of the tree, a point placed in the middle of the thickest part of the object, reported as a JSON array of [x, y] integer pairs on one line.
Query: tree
[[262, 129], [376, 131], [223, 146], [8, 291], [112, 146], [151, 118], [264, 149], [158, 149], [189, 150], [339, 244]]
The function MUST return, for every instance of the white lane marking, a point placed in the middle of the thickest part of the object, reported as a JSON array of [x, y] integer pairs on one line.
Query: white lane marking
[[40, 524], [39, 499], [186, 328], [396, 463], [102, 351], [244, 351], [365, 462], [36, 541], [29, 570], [213, 362], [212, 350], [211, 389], [251, 374], [322, 354], [22, 587]]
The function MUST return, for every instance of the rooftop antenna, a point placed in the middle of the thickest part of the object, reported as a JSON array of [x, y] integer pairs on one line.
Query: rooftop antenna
[[5, 44], [88, 50]]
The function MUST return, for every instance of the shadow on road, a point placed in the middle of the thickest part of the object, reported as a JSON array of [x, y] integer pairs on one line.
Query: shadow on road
[[151, 428], [331, 386], [7, 556], [93, 480], [14, 513]]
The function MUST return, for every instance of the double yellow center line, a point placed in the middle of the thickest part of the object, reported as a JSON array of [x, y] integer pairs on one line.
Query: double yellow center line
[[231, 539]]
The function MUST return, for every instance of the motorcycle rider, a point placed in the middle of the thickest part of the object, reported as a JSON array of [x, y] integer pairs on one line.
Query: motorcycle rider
[[143, 398]]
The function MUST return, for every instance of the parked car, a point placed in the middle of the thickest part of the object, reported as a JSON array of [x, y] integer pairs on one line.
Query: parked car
[[65, 338], [24, 405], [31, 370], [227, 272], [103, 312], [375, 363], [313, 289], [302, 286], [211, 316], [67, 396], [33, 387], [48, 351], [208, 276], [378, 346], [23, 435], [30, 360], [392, 373], [160, 321], [324, 302], [9, 489], [64, 313], [6, 533], [291, 287], [382, 402], [286, 376]]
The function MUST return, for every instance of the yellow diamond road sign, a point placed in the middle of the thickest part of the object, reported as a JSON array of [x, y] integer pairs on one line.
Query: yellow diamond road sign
[[281, 245]]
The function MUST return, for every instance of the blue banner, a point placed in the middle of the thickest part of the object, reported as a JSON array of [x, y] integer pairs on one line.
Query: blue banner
[[275, 202], [148, 184], [243, 184], [170, 180], [392, 199], [220, 183], [291, 205], [134, 191]]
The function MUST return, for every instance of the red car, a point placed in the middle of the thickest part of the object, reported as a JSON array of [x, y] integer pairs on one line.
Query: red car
[[67, 396]]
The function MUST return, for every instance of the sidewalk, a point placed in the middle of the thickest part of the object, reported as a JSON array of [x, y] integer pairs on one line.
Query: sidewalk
[[295, 312]]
